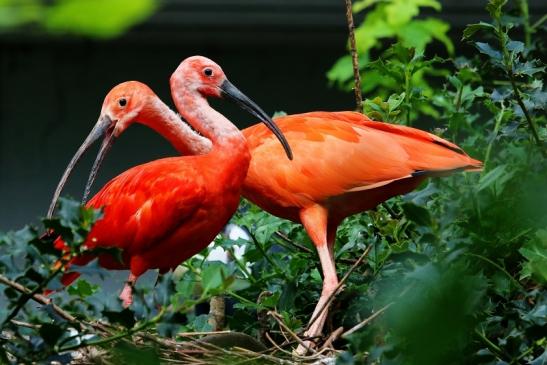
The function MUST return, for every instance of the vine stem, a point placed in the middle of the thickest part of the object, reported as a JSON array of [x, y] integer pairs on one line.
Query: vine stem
[[354, 57], [496, 131]]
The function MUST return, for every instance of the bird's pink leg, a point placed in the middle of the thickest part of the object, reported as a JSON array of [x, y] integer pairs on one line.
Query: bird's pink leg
[[315, 221], [126, 295]]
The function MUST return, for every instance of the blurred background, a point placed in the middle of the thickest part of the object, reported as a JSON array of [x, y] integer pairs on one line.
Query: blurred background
[[58, 59]]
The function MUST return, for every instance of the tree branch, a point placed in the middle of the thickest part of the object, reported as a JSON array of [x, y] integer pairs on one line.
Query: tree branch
[[42, 299], [354, 57]]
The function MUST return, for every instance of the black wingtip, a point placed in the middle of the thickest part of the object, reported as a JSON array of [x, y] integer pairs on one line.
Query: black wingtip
[[452, 148]]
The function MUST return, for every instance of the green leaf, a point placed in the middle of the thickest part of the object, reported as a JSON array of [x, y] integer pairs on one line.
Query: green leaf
[[201, 323], [99, 18], [82, 288], [494, 8], [341, 71], [515, 46], [535, 252], [417, 214], [213, 277], [495, 179], [528, 68], [486, 49], [471, 29]]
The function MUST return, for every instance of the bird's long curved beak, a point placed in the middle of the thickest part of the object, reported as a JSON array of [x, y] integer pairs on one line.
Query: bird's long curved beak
[[232, 92], [104, 127]]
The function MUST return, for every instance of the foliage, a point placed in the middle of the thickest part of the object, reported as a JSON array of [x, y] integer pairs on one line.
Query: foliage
[[95, 18], [456, 271], [394, 20]]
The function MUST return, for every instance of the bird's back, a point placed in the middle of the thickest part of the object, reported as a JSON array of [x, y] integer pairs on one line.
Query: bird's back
[[336, 153]]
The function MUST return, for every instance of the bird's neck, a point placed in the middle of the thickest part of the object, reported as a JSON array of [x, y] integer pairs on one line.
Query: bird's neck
[[167, 123], [201, 116]]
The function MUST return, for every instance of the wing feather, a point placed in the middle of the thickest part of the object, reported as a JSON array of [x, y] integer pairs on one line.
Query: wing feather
[[338, 152], [145, 204]]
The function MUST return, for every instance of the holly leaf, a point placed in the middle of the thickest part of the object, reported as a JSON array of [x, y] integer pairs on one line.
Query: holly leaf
[[535, 252], [486, 49], [82, 288]]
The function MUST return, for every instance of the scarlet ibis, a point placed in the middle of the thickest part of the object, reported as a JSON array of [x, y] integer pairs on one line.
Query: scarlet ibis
[[344, 164], [163, 212]]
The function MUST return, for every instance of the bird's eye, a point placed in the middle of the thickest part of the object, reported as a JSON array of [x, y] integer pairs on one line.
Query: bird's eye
[[122, 102], [208, 72]]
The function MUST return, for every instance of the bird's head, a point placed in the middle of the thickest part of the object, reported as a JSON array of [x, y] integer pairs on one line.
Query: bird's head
[[122, 106], [198, 74]]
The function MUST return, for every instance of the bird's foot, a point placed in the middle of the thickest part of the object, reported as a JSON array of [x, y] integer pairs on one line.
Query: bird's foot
[[126, 295], [304, 348]]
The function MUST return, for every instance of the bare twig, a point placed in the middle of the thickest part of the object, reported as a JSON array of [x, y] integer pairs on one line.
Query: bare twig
[[193, 334], [354, 57], [282, 324], [333, 337], [286, 239], [42, 299], [339, 286], [367, 320], [29, 294], [25, 324]]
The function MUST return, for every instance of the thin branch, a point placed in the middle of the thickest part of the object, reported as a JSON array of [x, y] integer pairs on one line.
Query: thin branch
[[288, 240], [284, 238], [118, 336], [282, 324], [539, 22], [193, 334], [339, 286], [42, 299], [26, 324], [354, 57], [276, 267], [367, 320], [333, 337], [28, 295]]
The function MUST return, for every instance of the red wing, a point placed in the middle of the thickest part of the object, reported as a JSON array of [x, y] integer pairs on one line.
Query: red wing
[[145, 204]]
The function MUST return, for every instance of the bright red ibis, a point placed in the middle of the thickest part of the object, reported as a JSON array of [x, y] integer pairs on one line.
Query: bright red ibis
[[163, 212]]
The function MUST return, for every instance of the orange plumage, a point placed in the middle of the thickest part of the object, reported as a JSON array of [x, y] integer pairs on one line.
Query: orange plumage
[[344, 164]]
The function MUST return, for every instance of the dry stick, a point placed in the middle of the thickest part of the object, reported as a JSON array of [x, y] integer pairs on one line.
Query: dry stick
[[191, 334], [354, 57], [42, 299], [340, 284], [282, 324], [333, 337], [26, 324], [366, 321]]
